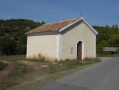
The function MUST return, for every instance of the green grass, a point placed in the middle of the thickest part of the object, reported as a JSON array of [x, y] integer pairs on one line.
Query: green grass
[[76, 63]]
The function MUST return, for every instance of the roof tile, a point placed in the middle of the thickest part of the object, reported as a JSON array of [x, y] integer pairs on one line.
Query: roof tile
[[52, 26]]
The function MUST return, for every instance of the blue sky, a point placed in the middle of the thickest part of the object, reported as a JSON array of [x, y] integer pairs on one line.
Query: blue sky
[[95, 12]]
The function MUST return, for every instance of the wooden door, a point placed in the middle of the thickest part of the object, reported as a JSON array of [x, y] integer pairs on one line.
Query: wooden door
[[79, 50]]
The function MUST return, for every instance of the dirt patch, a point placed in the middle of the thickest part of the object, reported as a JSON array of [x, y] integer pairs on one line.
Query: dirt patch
[[38, 68], [33, 65], [7, 69], [29, 63]]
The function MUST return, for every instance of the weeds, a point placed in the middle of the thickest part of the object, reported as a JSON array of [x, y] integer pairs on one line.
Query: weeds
[[21, 69], [38, 60], [76, 63]]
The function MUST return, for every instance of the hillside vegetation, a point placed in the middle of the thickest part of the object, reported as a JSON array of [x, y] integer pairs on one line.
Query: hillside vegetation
[[107, 37], [12, 37]]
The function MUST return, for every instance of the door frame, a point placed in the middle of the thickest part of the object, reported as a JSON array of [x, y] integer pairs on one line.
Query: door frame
[[82, 50]]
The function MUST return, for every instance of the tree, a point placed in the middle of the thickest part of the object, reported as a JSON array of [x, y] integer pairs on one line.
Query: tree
[[21, 45], [7, 46], [1, 33], [12, 37], [114, 40], [102, 44]]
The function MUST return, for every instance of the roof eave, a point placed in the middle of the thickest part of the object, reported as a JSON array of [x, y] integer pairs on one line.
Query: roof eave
[[62, 29], [40, 32], [92, 29]]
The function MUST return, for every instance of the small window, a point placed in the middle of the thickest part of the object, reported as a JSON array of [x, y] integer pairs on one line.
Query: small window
[[71, 50]]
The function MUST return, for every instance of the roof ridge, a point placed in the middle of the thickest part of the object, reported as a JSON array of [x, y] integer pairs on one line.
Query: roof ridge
[[63, 21]]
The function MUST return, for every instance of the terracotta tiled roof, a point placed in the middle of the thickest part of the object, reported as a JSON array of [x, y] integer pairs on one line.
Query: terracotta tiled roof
[[52, 26]]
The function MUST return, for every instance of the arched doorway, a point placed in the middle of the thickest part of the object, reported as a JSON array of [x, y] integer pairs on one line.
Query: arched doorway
[[79, 50]]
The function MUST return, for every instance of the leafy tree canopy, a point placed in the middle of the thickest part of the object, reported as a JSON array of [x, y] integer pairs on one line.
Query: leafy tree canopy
[[12, 37], [108, 36]]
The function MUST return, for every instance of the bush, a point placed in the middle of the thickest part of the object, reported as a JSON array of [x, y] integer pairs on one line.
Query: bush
[[114, 40]]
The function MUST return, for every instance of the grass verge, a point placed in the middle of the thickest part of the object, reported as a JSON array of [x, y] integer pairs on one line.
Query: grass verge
[[27, 74]]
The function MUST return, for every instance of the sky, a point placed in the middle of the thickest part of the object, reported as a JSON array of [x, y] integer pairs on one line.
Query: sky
[[95, 12]]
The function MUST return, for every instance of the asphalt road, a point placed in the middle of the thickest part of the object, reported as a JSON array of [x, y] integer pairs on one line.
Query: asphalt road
[[101, 76]]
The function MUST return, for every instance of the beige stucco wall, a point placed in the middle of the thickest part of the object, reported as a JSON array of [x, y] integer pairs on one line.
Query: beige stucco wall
[[42, 43], [70, 37]]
